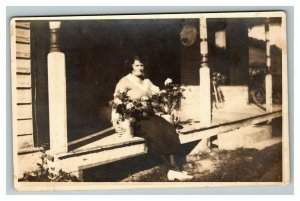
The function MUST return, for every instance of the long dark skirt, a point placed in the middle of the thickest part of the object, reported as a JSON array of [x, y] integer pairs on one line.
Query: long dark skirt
[[161, 136]]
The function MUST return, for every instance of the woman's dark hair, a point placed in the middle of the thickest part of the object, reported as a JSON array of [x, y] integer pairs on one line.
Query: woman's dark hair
[[131, 60], [137, 57]]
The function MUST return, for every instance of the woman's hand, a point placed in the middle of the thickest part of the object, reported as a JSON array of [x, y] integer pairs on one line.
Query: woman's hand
[[118, 128]]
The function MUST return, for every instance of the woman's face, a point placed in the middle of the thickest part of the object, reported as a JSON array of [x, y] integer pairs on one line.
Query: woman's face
[[138, 68]]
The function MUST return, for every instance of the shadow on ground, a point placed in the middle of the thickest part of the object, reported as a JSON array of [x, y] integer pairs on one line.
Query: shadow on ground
[[240, 165], [119, 170]]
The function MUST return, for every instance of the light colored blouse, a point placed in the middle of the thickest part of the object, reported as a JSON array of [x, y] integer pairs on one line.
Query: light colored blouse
[[136, 87]]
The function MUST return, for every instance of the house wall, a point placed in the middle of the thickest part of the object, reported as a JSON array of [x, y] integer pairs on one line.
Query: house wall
[[257, 56], [190, 59], [237, 37], [95, 53], [230, 59], [40, 49], [24, 96]]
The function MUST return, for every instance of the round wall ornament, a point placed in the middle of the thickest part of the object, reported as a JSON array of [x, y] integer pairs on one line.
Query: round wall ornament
[[188, 35]]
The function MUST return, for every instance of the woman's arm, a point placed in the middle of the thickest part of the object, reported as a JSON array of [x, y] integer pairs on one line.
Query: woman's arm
[[119, 88], [116, 117], [153, 88]]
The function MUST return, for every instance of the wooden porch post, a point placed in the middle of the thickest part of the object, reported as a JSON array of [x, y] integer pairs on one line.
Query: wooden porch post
[[205, 105], [57, 92], [268, 79]]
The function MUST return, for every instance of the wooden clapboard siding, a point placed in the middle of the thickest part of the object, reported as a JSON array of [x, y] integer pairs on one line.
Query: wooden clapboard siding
[[24, 126], [24, 96], [25, 141], [24, 93], [23, 50], [23, 35], [24, 25], [24, 112], [23, 81], [23, 66]]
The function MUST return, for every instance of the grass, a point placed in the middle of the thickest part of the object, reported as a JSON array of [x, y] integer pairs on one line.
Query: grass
[[240, 165]]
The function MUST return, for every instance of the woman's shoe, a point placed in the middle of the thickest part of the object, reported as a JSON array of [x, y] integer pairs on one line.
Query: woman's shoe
[[186, 173], [180, 176]]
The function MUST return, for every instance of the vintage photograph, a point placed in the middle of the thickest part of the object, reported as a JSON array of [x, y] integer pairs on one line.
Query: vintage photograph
[[142, 101]]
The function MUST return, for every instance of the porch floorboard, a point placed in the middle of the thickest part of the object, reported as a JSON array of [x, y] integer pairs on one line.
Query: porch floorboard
[[112, 148], [188, 126]]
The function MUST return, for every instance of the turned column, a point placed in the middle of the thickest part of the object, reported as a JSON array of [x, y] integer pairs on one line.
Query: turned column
[[57, 92], [268, 78], [205, 105]]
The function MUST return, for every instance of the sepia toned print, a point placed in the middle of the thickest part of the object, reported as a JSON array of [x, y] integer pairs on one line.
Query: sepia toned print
[[150, 101]]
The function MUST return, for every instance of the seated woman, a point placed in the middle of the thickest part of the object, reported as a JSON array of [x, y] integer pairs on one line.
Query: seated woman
[[161, 136]]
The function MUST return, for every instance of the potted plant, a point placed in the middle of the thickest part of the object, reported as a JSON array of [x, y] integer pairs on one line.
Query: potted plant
[[167, 101], [130, 111]]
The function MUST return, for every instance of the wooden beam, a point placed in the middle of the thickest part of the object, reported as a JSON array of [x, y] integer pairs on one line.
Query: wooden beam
[[204, 71], [29, 150], [91, 136], [110, 160], [199, 134], [57, 93], [76, 161], [77, 152], [92, 159], [194, 135], [268, 78]]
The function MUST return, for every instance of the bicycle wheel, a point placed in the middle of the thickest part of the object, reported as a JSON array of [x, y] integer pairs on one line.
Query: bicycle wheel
[[258, 95]]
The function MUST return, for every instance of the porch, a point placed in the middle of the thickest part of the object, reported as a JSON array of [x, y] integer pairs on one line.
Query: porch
[[107, 147], [78, 81]]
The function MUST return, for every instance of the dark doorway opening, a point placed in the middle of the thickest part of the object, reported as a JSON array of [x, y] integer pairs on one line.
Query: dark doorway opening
[[96, 52]]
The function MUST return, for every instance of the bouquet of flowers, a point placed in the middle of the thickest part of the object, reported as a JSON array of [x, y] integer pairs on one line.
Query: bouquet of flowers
[[132, 110], [168, 99]]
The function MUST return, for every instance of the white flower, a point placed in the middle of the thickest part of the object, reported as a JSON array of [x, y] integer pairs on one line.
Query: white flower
[[144, 104], [168, 81], [52, 164], [166, 108], [53, 170], [117, 101], [144, 98], [154, 90], [129, 106], [163, 91], [132, 119]]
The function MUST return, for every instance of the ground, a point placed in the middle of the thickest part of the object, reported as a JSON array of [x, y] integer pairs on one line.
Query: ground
[[260, 163], [239, 165]]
